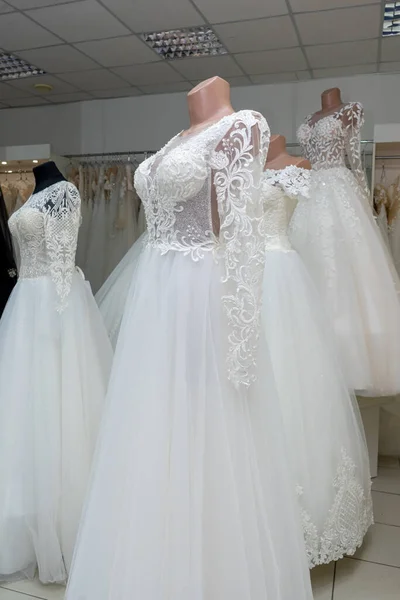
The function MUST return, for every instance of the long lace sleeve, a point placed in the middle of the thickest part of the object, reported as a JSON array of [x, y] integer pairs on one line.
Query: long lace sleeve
[[237, 163], [62, 221], [353, 120], [293, 180]]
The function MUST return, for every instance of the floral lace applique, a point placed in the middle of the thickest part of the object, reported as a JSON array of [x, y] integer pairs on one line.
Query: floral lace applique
[[293, 180]]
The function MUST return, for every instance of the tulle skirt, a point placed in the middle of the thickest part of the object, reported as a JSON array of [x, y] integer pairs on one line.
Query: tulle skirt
[[336, 235], [54, 370], [190, 496], [323, 428]]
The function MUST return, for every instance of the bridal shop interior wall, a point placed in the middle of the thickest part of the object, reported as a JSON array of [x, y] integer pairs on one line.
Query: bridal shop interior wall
[[146, 122]]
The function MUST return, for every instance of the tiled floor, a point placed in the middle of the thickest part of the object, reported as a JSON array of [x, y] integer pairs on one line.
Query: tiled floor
[[374, 574]]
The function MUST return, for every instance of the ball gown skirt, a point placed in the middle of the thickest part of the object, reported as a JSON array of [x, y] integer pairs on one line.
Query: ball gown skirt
[[54, 369], [190, 494], [324, 432], [335, 233]]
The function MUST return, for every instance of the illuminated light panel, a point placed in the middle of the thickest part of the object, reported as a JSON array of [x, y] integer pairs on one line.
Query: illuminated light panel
[[391, 19], [185, 43], [12, 67]]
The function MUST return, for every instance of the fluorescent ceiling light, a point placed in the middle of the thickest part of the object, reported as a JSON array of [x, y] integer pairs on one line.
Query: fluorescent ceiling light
[[184, 43], [391, 19], [12, 67]]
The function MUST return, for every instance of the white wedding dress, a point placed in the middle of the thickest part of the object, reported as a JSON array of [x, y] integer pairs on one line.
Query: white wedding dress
[[188, 498], [55, 359], [323, 428], [336, 235]]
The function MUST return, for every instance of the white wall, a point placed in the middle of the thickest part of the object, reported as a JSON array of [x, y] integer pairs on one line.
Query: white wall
[[147, 122]]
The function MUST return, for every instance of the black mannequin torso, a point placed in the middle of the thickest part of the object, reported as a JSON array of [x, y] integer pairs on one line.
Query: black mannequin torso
[[46, 175]]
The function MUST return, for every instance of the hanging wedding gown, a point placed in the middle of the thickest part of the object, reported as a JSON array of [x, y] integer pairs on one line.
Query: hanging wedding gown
[[55, 359], [335, 233], [190, 495], [323, 428]]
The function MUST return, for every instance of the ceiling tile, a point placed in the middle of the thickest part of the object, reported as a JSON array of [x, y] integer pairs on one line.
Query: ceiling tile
[[345, 71], [33, 101], [233, 81], [17, 32], [26, 4], [27, 85], [343, 55], [208, 66], [5, 8], [272, 61], [74, 97], [222, 11], [262, 34], [60, 59], [159, 72], [390, 48], [310, 5], [98, 79], [6, 92], [87, 20], [118, 93], [179, 86], [339, 25], [303, 75], [273, 78], [153, 15], [120, 51], [385, 67]]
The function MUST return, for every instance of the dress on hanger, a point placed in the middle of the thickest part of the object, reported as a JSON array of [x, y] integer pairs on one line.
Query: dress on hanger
[[323, 428], [8, 268], [381, 208], [393, 195], [55, 359], [336, 235], [181, 503]]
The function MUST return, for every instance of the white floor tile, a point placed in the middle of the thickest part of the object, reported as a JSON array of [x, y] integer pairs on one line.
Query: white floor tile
[[356, 580], [386, 508], [388, 480], [35, 589], [322, 581], [381, 545], [10, 595]]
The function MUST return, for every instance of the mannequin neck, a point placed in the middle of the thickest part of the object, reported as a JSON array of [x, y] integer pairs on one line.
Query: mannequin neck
[[278, 158], [46, 175], [208, 102], [331, 99]]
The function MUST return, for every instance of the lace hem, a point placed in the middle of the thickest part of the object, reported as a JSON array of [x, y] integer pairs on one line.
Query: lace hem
[[347, 522]]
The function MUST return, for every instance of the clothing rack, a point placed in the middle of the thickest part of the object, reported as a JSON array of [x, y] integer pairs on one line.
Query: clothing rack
[[391, 157], [110, 155]]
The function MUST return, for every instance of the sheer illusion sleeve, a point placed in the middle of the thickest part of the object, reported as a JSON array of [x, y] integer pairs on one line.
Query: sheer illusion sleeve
[[353, 119], [62, 221], [237, 165]]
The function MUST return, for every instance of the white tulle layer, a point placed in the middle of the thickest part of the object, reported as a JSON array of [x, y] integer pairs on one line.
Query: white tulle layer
[[324, 434], [54, 370], [190, 497], [336, 235]]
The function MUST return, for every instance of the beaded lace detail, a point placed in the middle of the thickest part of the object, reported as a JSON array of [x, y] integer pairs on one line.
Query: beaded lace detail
[[326, 141], [347, 522], [281, 190], [46, 229], [178, 186]]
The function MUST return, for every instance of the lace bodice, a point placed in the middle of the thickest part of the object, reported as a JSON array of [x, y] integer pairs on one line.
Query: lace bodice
[[202, 193], [46, 231], [281, 190], [325, 142]]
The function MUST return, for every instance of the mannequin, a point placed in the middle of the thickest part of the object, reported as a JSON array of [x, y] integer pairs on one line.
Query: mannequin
[[208, 102], [278, 158], [331, 101], [45, 175]]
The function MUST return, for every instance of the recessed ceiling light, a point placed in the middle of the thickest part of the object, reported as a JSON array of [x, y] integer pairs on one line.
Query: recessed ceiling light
[[12, 67], [184, 43], [43, 88], [391, 19], [9, 171], [35, 161], [3, 162]]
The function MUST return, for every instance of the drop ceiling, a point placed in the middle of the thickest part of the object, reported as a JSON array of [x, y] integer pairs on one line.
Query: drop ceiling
[[93, 48]]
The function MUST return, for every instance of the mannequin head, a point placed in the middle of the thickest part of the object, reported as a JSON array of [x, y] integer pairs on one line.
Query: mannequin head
[[209, 100], [46, 174], [331, 98]]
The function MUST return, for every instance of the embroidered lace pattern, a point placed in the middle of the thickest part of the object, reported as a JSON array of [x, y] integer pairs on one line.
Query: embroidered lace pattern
[[280, 191], [177, 186], [326, 141], [46, 229], [348, 520]]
